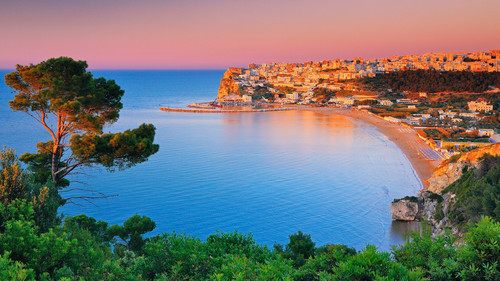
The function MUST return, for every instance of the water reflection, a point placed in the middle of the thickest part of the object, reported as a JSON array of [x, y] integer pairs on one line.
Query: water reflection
[[401, 229], [290, 130]]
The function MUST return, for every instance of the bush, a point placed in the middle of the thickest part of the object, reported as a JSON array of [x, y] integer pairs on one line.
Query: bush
[[409, 198]]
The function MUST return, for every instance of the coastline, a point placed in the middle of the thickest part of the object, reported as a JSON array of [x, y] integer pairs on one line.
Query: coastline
[[405, 138], [229, 110]]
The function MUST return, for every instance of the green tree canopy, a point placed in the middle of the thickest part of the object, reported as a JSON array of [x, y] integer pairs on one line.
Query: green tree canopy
[[18, 184], [132, 230], [74, 107]]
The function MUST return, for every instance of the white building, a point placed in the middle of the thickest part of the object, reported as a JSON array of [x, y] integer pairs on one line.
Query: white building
[[247, 98], [342, 100], [392, 119], [404, 101], [292, 96], [479, 105], [485, 132], [386, 102]]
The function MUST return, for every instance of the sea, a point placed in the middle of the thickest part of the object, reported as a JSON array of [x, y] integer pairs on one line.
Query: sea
[[270, 174]]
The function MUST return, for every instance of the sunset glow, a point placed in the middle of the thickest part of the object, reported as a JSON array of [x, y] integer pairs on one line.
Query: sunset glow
[[221, 33]]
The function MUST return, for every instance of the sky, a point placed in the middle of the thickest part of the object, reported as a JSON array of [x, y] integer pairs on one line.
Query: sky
[[216, 34]]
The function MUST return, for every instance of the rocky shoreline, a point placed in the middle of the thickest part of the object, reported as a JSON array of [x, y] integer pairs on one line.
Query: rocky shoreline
[[433, 204], [426, 206]]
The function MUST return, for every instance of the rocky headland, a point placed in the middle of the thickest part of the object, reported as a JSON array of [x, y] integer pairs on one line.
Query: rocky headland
[[228, 84]]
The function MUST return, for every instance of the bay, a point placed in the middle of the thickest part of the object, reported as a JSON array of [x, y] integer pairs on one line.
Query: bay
[[270, 174]]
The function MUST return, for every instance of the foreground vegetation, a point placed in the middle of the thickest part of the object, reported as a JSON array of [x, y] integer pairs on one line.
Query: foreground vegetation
[[35, 245]]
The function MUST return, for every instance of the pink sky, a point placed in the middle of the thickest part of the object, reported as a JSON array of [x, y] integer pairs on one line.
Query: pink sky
[[197, 34]]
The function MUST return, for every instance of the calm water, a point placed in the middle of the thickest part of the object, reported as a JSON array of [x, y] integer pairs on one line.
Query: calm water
[[270, 174]]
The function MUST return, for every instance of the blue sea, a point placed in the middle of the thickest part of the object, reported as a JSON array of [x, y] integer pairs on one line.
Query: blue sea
[[270, 173]]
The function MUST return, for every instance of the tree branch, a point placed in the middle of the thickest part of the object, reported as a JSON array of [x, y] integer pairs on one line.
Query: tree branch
[[66, 170], [44, 123], [88, 198]]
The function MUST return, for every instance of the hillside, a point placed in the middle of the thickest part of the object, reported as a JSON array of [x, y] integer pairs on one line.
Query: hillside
[[452, 169], [227, 84], [463, 189]]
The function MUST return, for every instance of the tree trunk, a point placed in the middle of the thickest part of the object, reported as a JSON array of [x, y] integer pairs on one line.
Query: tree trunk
[[55, 164]]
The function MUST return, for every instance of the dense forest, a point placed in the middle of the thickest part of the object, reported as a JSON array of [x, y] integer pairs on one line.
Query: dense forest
[[37, 244], [433, 81]]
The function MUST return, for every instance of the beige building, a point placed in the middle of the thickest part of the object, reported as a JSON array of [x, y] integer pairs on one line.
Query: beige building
[[486, 132], [479, 105], [386, 102], [247, 98]]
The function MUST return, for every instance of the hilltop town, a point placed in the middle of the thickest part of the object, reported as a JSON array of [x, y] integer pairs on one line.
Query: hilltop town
[[336, 74], [450, 99]]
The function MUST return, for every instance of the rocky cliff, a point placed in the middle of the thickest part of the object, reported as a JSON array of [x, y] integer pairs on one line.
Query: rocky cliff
[[451, 169], [228, 84], [427, 206], [433, 205]]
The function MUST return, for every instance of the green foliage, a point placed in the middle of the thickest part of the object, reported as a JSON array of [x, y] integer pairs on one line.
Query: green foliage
[[438, 213], [299, 249], [327, 258], [220, 245], [409, 198], [180, 257], [75, 251], [435, 256], [243, 268], [433, 81], [15, 271], [98, 229], [477, 192], [18, 184], [70, 104], [262, 92], [121, 150], [132, 230], [372, 265], [12, 181], [62, 85], [435, 196], [476, 258], [40, 163], [323, 94], [480, 255], [175, 255], [80, 250]]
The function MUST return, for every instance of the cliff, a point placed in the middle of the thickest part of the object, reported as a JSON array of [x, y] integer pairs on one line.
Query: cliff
[[451, 200], [452, 169], [427, 206], [228, 84]]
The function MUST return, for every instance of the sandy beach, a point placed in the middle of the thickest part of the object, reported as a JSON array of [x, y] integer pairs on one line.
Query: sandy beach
[[404, 137], [420, 155]]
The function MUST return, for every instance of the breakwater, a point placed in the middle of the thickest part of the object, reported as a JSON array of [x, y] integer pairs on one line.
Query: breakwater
[[202, 110]]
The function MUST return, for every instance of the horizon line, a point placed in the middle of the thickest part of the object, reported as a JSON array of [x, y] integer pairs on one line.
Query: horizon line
[[277, 61], [146, 69]]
